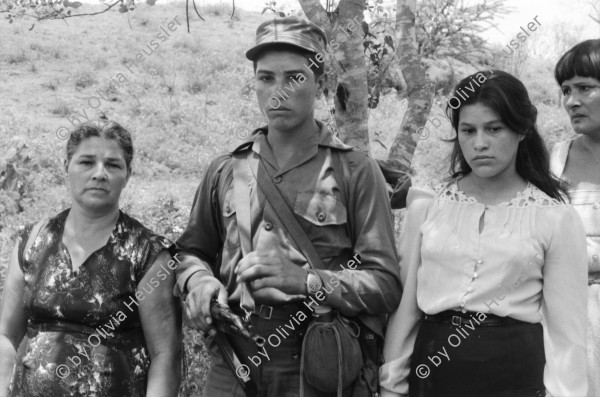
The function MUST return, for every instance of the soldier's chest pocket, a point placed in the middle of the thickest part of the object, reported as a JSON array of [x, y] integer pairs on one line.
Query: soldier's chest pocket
[[232, 237], [325, 218]]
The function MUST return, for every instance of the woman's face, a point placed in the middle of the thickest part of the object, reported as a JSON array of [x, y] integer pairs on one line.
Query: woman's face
[[488, 145], [581, 99], [97, 174]]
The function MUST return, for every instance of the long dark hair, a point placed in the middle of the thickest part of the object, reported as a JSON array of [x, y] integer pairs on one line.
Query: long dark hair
[[508, 98]]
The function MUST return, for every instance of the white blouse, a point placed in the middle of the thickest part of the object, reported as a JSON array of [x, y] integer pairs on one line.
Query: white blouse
[[528, 262]]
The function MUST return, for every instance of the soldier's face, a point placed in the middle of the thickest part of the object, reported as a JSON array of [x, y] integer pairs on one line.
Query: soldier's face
[[286, 89]]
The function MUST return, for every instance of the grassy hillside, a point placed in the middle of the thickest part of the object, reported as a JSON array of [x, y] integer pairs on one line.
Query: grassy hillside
[[186, 99]]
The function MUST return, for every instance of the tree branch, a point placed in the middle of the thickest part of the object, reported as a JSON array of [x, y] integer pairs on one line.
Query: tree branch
[[60, 14], [316, 13]]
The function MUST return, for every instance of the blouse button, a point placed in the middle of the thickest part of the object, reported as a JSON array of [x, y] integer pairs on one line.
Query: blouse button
[[462, 303], [475, 275], [268, 226], [596, 205], [321, 217], [277, 179], [469, 289], [479, 261]]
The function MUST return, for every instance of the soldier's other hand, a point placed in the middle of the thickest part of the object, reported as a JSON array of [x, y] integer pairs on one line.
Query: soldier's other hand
[[272, 270], [202, 289]]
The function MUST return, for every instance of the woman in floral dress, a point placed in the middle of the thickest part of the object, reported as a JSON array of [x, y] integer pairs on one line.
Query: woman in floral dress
[[88, 308]]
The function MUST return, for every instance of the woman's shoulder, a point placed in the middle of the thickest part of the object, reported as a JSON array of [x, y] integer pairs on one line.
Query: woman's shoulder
[[550, 211], [558, 156], [130, 228], [534, 196], [421, 193], [447, 190], [420, 197], [564, 144], [554, 219], [50, 225], [138, 244]]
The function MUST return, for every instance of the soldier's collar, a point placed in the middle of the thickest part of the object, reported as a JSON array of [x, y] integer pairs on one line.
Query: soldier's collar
[[326, 138]]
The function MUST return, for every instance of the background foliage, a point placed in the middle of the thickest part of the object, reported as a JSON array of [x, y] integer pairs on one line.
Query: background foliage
[[192, 98]]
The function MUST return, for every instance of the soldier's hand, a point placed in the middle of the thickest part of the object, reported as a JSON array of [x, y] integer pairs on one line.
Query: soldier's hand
[[202, 289], [272, 270]]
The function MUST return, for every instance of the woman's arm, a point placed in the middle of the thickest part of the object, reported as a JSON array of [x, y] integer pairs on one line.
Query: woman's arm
[[160, 313], [13, 321], [564, 306], [403, 324]]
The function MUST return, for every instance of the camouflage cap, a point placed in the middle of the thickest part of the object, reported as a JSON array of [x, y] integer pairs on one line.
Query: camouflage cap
[[294, 31]]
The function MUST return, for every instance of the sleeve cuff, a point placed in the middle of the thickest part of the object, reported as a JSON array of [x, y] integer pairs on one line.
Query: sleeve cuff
[[387, 393], [334, 298], [180, 289]]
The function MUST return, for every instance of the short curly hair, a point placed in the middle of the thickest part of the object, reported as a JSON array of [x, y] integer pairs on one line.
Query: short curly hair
[[101, 128]]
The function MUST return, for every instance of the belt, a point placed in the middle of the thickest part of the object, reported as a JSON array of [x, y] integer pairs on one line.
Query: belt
[[471, 318], [277, 312], [593, 278]]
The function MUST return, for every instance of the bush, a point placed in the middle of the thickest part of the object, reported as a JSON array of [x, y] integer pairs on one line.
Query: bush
[[84, 80]]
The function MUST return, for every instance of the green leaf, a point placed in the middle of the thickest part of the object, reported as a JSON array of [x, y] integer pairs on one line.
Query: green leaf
[[75, 4]]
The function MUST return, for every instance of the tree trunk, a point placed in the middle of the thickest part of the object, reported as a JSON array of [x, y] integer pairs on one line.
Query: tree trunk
[[419, 88], [349, 77]]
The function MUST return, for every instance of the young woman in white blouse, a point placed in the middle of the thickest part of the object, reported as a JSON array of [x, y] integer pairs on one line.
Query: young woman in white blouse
[[486, 260]]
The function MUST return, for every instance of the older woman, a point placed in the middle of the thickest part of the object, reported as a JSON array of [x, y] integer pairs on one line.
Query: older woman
[[577, 161], [87, 307]]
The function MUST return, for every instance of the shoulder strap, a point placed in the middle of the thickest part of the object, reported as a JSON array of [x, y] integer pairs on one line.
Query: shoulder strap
[[342, 175], [241, 200], [289, 220], [558, 158]]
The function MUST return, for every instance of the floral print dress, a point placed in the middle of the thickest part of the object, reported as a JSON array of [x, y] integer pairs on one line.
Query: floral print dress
[[84, 335]]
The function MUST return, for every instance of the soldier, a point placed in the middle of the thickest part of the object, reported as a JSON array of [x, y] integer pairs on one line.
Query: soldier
[[238, 251]]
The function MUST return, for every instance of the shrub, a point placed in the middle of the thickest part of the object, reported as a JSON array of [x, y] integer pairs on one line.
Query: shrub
[[84, 80]]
